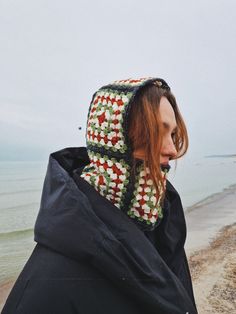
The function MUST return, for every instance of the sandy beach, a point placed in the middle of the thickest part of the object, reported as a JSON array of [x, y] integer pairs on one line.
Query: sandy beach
[[211, 250], [213, 272]]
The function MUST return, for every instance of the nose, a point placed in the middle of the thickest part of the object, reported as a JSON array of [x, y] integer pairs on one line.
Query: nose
[[168, 149]]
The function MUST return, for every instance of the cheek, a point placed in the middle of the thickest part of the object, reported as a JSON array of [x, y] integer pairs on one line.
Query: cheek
[[167, 142]]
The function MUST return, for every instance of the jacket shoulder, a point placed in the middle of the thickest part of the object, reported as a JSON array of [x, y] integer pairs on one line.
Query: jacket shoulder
[[53, 283]]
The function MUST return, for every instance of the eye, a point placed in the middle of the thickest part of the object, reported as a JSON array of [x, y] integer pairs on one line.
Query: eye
[[173, 134]]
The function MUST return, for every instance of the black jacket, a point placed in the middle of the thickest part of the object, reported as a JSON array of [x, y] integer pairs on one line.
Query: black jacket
[[91, 258]]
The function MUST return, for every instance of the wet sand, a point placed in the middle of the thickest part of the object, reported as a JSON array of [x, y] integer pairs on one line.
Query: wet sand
[[211, 249], [213, 272], [4, 291], [206, 218]]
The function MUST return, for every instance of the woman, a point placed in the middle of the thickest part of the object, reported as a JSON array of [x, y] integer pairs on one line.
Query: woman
[[110, 231]]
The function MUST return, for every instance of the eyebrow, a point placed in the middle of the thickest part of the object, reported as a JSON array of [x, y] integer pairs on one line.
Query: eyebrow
[[167, 126]]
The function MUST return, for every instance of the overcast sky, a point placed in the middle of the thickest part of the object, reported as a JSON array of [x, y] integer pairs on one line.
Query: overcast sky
[[55, 54]]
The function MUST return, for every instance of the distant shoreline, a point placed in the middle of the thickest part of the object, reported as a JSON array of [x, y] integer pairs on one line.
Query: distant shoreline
[[221, 156]]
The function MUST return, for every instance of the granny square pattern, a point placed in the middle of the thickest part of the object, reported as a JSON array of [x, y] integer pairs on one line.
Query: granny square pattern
[[108, 176], [105, 121], [146, 203]]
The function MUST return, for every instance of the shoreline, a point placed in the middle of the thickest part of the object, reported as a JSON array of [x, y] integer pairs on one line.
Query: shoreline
[[213, 271], [211, 251], [5, 289], [206, 218], [209, 199]]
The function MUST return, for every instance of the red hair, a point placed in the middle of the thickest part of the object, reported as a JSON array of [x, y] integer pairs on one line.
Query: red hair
[[145, 129]]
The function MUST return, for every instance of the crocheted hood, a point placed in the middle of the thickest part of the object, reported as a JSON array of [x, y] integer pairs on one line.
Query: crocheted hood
[[110, 153]]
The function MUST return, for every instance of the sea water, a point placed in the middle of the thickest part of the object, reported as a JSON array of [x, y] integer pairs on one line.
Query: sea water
[[200, 178], [20, 192]]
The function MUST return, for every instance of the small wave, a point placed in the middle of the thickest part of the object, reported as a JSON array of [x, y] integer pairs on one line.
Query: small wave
[[20, 206], [20, 192], [221, 156], [15, 233], [22, 179]]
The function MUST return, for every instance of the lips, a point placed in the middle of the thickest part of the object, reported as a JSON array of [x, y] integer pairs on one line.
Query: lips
[[165, 166], [165, 163]]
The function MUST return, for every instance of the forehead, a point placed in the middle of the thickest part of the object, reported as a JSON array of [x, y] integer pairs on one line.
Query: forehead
[[167, 113]]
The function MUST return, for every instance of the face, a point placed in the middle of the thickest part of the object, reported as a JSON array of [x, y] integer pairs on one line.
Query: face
[[168, 150]]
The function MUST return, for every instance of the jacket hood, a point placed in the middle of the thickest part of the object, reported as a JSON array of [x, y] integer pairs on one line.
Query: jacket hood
[[111, 170], [76, 221]]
